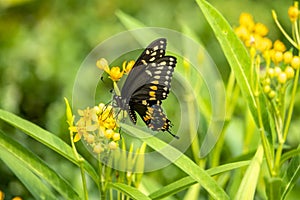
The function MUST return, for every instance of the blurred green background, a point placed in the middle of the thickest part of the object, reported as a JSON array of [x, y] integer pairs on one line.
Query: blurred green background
[[43, 43]]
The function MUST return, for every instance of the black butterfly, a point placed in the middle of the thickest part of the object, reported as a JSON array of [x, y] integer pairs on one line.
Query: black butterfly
[[147, 84]]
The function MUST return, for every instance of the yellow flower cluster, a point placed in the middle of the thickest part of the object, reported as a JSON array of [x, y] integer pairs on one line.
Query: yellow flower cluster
[[115, 73], [97, 126], [276, 64]]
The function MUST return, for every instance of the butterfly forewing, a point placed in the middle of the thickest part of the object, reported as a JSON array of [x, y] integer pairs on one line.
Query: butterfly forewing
[[137, 75]]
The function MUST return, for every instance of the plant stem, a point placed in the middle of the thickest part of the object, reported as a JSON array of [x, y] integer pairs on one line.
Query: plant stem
[[265, 143], [283, 31], [80, 162], [287, 123], [102, 187]]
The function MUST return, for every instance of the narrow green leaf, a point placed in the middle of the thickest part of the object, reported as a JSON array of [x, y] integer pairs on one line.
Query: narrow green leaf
[[128, 21], [181, 161], [128, 190], [34, 185], [29, 160], [291, 175], [248, 184], [233, 48], [46, 138], [186, 182], [289, 155], [236, 55]]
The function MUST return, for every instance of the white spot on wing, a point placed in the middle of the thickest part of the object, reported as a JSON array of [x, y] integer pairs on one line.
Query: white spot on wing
[[148, 72], [152, 59]]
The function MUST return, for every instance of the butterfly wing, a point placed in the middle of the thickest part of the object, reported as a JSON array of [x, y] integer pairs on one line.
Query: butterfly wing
[[159, 77], [138, 76], [147, 84]]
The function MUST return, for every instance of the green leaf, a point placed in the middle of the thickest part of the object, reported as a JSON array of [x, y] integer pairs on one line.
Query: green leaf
[[128, 21], [128, 190], [34, 185], [237, 56], [291, 175], [186, 182], [288, 155], [46, 138], [23, 158], [181, 161], [248, 184]]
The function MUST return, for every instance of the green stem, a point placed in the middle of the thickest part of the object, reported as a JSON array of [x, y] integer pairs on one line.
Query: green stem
[[263, 137], [287, 123], [265, 143], [283, 31], [101, 181], [80, 162], [297, 31]]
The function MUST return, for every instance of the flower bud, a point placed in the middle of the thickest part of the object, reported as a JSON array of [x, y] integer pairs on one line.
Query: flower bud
[[293, 13]]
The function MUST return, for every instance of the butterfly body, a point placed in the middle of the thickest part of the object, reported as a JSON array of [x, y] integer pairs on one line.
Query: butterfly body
[[147, 85]]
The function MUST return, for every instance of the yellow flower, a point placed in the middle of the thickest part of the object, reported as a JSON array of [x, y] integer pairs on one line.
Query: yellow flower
[[279, 46], [98, 149], [116, 137], [247, 21], [103, 65], [293, 13], [277, 57], [128, 66], [108, 133], [115, 74], [287, 57], [282, 77], [290, 73], [261, 29], [265, 44], [295, 63], [113, 145], [242, 32]]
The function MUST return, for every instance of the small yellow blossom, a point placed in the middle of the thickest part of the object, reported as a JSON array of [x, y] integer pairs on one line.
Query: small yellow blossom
[[98, 149], [16, 198], [277, 71], [277, 57], [290, 73], [293, 13], [282, 77], [265, 44], [247, 21], [267, 89], [272, 94], [113, 145], [242, 32], [128, 66], [261, 29], [103, 65], [115, 73], [287, 57], [295, 63], [116, 137], [271, 72], [108, 133], [279, 46]]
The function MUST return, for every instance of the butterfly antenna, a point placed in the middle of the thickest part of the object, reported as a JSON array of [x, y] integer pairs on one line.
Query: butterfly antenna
[[175, 136]]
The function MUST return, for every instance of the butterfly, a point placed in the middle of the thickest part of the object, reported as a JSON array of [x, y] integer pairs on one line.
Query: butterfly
[[147, 85]]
